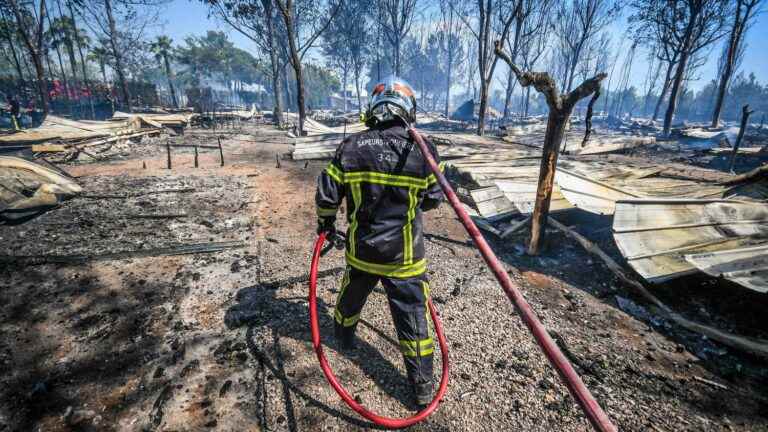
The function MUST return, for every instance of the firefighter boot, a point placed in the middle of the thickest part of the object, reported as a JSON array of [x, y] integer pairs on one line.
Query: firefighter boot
[[345, 336], [423, 394]]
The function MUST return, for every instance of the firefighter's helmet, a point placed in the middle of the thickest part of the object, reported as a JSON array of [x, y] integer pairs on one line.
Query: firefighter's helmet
[[390, 100]]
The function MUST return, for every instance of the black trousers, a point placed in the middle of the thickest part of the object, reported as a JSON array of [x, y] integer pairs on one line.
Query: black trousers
[[408, 305]]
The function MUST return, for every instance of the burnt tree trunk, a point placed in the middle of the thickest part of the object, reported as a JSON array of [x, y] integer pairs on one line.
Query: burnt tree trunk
[[664, 90], [677, 81], [357, 90], [482, 54], [449, 72], [83, 65], [274, 61], [734, 41], [556, 123], [117, 55], [344, 74], [560, 109], [745, 113], [296, 63], [588, 118], [169, 75], [511, 82]]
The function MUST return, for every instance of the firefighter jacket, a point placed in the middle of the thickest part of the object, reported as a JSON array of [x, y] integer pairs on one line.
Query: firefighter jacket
[[387, 184]]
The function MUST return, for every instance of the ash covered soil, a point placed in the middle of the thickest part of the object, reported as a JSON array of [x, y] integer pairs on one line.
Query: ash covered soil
[[220, 341]]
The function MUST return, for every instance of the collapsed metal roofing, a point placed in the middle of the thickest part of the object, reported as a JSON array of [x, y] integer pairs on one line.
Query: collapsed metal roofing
[[28, 188], [655, 236]]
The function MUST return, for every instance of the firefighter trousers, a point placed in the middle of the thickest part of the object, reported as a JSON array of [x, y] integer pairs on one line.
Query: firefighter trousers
[[408, 306]]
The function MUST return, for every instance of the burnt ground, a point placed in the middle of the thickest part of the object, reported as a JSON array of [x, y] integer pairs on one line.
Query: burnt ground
[[220, 341]]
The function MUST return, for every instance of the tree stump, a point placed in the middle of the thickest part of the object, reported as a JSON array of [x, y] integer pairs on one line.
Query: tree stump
[[560, 109]]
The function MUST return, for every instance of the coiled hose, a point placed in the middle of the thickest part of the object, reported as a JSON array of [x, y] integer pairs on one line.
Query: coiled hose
[[387, 422]]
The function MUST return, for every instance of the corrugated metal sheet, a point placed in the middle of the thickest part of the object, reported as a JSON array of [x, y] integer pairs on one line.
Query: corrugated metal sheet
[[656, 235], [589, 194], [596, 186], [745, 266]]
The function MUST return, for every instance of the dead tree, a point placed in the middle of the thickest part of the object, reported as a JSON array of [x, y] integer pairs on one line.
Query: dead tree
[[651, 78], [687, 26], [623, 84], [531, 19], [397, 19], [588, 118], [560, 108], [745, 113], [450, 25], [577, 23], [292, 16], [745, 11], [491, 16]]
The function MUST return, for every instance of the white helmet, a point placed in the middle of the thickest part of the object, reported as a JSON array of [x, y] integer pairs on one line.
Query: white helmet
[[391, 99]]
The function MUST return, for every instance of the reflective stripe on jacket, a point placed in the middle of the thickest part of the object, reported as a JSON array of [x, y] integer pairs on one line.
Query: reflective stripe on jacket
[[387, 184]]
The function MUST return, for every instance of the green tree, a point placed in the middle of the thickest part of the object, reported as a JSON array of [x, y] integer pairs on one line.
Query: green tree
[[215, 57], [257, 20]]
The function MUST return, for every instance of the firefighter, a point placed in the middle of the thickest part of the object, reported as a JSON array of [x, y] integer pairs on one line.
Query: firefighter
[[15, 112], [387, 184]]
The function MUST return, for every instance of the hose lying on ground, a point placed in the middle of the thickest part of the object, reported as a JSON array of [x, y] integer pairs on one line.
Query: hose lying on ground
[[392, 423]]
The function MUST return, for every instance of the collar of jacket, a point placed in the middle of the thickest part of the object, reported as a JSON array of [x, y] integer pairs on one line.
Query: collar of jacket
[[396, 127]]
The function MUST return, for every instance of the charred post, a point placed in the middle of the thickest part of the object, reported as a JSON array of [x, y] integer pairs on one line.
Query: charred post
[[588, 118], [168, 150], [221, 152], [745, 113]]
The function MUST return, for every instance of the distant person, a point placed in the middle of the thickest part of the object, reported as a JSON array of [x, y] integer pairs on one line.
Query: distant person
[[387, 185], [15, 112]]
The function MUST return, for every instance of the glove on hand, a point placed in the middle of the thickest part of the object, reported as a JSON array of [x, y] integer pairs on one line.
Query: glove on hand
[[326, 225]]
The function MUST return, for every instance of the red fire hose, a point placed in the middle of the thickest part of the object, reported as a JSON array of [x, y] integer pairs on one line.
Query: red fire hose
[[589, 405], [392, 423]]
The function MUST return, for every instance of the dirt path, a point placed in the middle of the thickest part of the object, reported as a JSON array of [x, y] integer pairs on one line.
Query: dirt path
[[220, 341]]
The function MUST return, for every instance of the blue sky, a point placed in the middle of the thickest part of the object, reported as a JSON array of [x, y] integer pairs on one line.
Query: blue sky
[[188, 18], [184, 18]]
